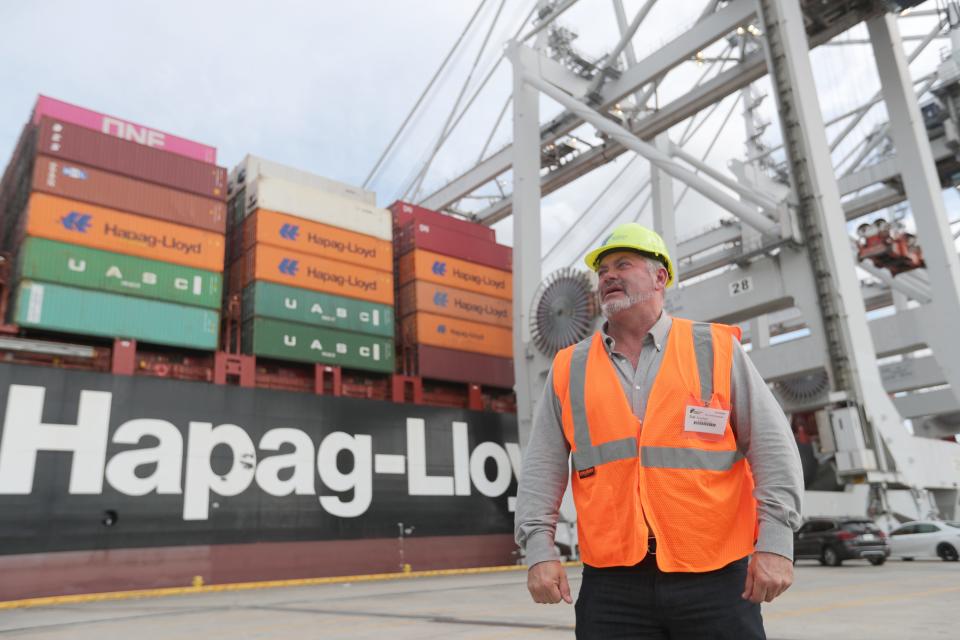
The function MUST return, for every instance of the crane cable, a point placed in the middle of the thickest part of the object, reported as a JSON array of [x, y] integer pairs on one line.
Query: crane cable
[[423, 95]]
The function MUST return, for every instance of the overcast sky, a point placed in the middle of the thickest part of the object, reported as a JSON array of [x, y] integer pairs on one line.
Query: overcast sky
[[324, 84]]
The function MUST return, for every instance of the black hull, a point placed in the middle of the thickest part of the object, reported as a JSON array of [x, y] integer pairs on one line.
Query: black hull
[[101, 471]]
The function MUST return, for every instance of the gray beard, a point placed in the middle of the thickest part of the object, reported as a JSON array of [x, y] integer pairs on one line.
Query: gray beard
[[622, 304]]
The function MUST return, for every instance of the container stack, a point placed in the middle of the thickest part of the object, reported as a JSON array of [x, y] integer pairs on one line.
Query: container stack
[[117, 230], [454, 298], [312, 263]]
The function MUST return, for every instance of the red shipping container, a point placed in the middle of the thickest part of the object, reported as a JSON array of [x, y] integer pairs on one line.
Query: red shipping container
[[86, 184], [458, 366], [452, 243], [72, 142], [404, 213]]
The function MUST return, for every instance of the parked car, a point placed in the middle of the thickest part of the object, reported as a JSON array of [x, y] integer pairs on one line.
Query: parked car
[[926, 539], [831, 540]]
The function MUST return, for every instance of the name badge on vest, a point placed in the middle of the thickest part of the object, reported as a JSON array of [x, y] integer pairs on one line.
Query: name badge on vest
[[705, 420]]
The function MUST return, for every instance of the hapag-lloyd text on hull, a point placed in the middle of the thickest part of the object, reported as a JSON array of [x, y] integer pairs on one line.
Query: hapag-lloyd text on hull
[[261, 464], [240, 464]]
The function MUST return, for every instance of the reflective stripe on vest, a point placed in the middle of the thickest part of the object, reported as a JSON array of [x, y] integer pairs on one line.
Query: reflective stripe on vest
[[588, 455]]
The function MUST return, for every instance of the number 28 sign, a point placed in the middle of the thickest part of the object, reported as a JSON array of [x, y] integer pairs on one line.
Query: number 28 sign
[[743, 285]]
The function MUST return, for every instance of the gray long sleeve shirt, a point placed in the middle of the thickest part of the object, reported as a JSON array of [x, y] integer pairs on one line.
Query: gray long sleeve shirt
[[759, 425]]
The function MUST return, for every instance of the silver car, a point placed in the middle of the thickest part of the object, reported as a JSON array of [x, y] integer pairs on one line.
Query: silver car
[[926, 539]]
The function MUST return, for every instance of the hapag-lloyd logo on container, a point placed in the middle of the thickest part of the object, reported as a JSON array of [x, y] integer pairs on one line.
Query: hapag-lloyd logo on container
[[153, 241], [76, 221], [341, 247], [497, 283], [82, 222], [341, 281], [483, 310], [158, 458], [291, 232]]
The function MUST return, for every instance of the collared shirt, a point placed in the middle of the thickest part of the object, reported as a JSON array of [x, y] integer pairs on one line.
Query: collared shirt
[[637, 382], [759, 425]]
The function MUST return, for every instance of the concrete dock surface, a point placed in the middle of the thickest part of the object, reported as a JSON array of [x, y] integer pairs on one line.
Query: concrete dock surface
[[854, 602]]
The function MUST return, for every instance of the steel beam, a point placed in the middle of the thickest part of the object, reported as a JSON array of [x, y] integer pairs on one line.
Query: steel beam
[[644, 72], [661, 190], [751, 68], [928, 403], [850, 350], [722, 235], [873, 201], [705, 32], [747, 214], [759, 199], [911, 374], [915, 290], [626, 35], [898, 333], [788, 359], [887, 169], [547, 18], [526, 233], [922, 184], [735, 295]]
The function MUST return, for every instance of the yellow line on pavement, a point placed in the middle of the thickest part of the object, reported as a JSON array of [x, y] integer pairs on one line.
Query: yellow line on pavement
[[860, 602], [248, 586]]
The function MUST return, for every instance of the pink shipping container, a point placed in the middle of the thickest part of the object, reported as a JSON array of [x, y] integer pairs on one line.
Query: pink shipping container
[[452, 243], [72, 142], [124, 129], [405, 213]]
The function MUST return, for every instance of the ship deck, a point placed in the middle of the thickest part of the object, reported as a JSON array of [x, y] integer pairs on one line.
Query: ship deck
[[897, 600]]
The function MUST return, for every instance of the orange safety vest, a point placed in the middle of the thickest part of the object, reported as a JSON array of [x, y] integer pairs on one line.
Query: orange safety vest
[[694, 489]]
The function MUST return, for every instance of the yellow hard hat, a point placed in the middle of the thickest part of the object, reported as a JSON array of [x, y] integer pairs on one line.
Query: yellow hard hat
[[634, 237]]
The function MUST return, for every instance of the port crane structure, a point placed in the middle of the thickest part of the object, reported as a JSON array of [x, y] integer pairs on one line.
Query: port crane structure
[[855, 331]]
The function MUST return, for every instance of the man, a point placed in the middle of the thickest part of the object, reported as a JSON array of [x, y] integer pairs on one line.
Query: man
[[685, 473]]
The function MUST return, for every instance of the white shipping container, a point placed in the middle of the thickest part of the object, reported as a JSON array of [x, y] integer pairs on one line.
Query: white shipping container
[[320, 206], [253, 167]]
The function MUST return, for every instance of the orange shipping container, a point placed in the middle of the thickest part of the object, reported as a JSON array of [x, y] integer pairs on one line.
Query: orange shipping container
[[294, 269], [452, 333], [290, 232], [433, 267], [88, 225], [457, 303]]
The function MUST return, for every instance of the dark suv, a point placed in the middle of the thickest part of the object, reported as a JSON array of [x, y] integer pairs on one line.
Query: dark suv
[[833, 540]]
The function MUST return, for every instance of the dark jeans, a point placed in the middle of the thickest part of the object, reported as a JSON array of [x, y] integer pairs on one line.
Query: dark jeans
[[644, 602]]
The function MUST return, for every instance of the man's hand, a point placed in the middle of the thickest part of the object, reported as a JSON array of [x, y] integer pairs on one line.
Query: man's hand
[[768, 575], [547, 582]]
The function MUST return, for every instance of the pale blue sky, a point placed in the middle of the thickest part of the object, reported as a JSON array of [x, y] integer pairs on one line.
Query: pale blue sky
[[323, 85]]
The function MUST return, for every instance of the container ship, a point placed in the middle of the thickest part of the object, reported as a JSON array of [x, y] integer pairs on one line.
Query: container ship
[[239, 376]]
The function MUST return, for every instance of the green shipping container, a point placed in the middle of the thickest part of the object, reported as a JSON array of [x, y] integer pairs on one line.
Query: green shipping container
[[304, 343], [269, 300], [57, 308], [58, 262]]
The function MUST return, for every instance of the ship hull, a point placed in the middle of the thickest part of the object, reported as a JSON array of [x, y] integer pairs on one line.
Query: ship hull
[[124, 482]]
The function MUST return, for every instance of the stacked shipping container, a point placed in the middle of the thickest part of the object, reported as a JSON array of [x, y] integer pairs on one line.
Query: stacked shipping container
[[454, 298], [118, 229], [312, 261]]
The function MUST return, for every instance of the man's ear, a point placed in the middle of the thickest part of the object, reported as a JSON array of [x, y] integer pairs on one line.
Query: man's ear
[[662, 276]]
